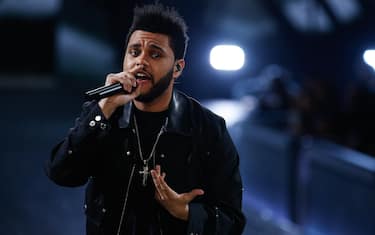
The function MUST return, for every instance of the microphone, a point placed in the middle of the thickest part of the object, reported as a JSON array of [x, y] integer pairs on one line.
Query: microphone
[[105, 91]]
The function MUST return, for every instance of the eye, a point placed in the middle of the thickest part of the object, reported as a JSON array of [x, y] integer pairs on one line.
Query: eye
[[155, 55], [134, 52]]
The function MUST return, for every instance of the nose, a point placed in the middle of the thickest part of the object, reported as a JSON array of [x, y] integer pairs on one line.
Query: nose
[[139, 64], [141, 61]]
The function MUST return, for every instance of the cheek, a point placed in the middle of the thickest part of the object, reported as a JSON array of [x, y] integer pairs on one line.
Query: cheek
[[127, 63], [126, 66]]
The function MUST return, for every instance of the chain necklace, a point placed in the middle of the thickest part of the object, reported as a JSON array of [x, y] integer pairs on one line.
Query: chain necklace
[[145, 172]]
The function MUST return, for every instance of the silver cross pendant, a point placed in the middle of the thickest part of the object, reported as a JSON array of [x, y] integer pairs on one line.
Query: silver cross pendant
[[144, 174]]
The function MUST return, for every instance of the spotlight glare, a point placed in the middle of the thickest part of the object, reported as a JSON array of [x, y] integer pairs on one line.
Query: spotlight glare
[[227, 57], [369, 58]]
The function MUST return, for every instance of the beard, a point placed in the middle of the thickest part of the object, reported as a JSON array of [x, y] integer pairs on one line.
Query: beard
[[158, 88]]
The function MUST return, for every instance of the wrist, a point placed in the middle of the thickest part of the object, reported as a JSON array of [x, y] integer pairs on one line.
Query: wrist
[[184, 215], [107, 108]]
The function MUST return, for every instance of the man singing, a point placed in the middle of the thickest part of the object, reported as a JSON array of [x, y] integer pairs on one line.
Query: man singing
[[154, 160]]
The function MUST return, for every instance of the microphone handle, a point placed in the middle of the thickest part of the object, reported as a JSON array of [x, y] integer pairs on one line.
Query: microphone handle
[[105, 91]]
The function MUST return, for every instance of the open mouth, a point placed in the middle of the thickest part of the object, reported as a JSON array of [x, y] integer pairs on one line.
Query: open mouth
[[142, 76]]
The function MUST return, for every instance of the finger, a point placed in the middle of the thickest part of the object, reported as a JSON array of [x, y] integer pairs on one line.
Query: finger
[[156, 180], [134, 93], [126, 79], [163, 191], [138, 89], [158, 169], [164, 187], [128, 85], [157, 196], [188, 197], [109, 79], [160, 174]]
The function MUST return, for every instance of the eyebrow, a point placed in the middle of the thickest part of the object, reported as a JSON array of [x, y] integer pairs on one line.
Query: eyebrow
[[154, 46]]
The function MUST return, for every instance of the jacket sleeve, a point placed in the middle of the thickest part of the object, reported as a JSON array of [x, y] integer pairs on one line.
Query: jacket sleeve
[[220, 211], [72, 161]]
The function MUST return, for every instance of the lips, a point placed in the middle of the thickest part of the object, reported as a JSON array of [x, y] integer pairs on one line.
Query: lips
[[142, 76]]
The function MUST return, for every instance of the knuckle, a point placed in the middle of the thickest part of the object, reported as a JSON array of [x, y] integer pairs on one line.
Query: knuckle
[[109, 76]]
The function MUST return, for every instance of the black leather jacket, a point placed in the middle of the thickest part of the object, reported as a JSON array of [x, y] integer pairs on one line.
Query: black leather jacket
[[100, 152]]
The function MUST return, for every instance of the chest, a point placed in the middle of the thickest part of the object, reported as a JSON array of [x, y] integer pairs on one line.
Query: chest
[[173, 152]]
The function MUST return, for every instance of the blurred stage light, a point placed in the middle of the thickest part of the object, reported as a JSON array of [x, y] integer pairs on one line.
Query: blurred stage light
[[369, 58], [30, 7], [227, 57], [233, 111]]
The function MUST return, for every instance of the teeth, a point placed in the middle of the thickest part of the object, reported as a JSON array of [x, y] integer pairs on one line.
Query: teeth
[[140, 75]]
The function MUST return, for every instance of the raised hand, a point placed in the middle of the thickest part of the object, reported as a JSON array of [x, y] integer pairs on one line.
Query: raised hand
[[176, 204]]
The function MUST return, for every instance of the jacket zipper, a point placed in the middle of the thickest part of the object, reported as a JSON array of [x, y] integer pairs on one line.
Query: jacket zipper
[[159, 218], [217, 220], [126, 200]]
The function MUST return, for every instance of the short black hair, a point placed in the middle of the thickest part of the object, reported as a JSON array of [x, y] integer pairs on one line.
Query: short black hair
[[157, 18]]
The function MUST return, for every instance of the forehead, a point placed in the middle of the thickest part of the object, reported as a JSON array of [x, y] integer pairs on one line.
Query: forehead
[[144, 38]]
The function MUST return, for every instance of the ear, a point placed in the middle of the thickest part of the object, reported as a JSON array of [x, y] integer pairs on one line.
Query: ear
[[178, 68]]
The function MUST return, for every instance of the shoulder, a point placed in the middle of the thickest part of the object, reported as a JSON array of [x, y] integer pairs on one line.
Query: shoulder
[[197, 108], [202, 117]]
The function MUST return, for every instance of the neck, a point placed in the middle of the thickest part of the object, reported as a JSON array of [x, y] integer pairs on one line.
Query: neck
[[159, 104]]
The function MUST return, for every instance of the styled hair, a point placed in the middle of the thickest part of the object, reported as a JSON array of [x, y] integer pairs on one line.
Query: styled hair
[[156, 18]]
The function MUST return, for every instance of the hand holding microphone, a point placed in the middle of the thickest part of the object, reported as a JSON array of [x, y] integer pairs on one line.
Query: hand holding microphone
[[112, 95], [115, 84], [105, 91]]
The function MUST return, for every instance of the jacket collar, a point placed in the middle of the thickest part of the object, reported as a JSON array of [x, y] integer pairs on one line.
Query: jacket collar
[[179, 115]]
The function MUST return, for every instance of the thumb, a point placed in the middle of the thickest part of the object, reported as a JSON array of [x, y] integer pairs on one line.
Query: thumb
[[192, 194], [137, 91]]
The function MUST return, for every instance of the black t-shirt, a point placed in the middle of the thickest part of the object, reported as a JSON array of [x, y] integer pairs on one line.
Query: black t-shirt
[[143, 217], [149, 125]]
